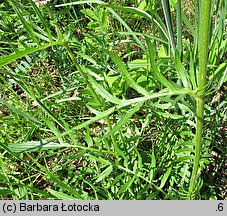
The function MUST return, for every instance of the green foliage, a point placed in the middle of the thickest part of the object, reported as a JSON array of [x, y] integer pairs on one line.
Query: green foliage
[[109, 100]]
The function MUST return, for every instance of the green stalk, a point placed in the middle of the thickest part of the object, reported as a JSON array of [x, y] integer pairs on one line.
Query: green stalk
[[179, 28], [203, 55], [168, 19]]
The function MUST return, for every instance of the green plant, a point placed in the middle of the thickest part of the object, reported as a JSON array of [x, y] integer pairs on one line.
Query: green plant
[[204, 23], [134, 120]]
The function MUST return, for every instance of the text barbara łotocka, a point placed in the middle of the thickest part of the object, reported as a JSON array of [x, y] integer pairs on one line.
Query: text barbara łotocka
[[38, 207]]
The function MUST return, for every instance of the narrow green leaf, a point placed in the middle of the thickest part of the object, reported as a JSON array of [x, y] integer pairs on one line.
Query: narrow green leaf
[[3, 177], [90, 121], [103, 92], [53, 128], [5, 147], [179, 28], [153, 166], [68, 99], [165, 177], [17, 111], [104, 174], [125, 103], [128, 184], [136, 11], [5, 192], [126, 26], [26, 25], [181, 71], [170, 115], [123, 70], [44, 22], [188, 23], [185, 150], [124, 119], [37, 191], [34, 146], [169, 24], [184, 158], [155, 71], [192, 72], [153, 195], [31, 94], [88, 137], [60, 195], [10, 58]]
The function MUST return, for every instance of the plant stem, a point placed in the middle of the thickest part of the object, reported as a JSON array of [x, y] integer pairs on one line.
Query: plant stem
[[179, 28], [203, 43], [168, 19], [203, 54]]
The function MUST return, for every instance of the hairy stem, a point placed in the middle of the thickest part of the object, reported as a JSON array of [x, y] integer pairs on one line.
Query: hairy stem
[[203, 54]]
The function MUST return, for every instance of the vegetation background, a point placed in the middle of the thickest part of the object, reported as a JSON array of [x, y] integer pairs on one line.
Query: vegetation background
[[99, 100]]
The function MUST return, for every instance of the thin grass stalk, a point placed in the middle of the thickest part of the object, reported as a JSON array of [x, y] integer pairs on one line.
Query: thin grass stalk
[[179, 28], [204, 26], [168, 19]]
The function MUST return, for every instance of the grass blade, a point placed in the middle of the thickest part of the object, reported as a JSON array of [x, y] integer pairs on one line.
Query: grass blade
[[60, 195], [168, 18], [44, 22], [26, 25], [19, 112], [179, 28], [36, 146], [104, 174], [165, 177], [181, 71], [22, 53]]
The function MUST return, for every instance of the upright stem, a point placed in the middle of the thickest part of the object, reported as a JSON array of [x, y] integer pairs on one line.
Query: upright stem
[[203, 43], [168, 19], [203, 54], [179, 28]]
